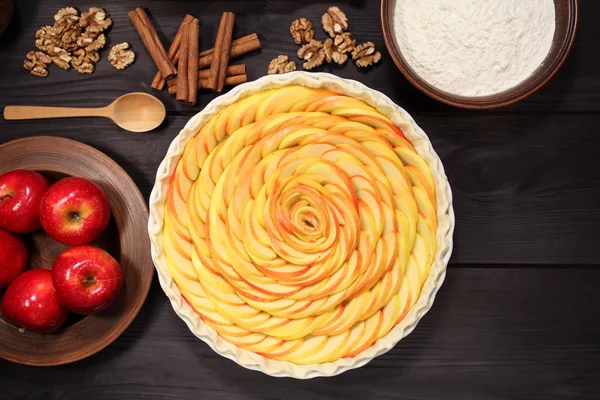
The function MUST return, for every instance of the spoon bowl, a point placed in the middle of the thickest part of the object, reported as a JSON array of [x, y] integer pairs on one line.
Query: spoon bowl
[[138, 112], [134, 112]]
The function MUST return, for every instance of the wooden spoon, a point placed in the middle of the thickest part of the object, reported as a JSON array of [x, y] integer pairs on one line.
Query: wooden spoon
[[134, 112]]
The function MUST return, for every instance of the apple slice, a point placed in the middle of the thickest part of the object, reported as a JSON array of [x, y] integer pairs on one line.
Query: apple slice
[[311, 345], [373, 326], [331, 351]]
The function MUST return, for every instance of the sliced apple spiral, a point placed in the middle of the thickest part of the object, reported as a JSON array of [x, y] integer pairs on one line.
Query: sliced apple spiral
[[300, 224]]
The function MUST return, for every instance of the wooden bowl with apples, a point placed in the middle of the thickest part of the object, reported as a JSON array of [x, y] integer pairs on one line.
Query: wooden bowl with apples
[[74, 268]]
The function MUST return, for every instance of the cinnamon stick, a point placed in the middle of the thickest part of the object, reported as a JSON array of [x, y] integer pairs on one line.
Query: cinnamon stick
[[225, 51], [159, 82], [232, 70], [229, 81], [192, 71], [218, 66], [148, 34], [239, 46], [182, 66]]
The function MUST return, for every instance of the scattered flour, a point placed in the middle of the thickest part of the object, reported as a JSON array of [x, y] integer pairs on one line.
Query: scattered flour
[[474, 47]]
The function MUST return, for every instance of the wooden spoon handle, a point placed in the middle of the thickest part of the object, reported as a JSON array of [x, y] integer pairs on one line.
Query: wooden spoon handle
[[35, 112]]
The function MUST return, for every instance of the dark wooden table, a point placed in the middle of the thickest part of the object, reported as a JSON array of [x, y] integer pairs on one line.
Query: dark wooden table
[[519, 314]]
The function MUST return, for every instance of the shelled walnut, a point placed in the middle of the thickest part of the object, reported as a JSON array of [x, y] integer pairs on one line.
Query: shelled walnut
[[74, 40], [62, 60], [67, 15], [312, 53], [366, 55], [302, 31], [336, 50], [281, 65], [96, 44], [334, 21], [36, 62], [95, 20], [121, 56]]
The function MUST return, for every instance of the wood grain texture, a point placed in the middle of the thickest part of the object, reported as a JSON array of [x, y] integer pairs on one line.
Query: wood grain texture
[[61, 157], [526, 190], [575, 89], [494, 333]]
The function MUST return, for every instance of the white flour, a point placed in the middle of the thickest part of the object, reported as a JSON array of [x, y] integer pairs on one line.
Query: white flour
[[474, 47]]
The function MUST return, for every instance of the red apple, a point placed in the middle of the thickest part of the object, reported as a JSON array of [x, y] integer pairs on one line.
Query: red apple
[[20, 197], [30, 302], [74, 211], [87, 279], [13, 257]]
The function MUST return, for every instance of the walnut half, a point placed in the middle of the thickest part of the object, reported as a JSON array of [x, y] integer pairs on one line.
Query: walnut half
[[366, 55], [313, 54], [334, 21], [302, 31], [83, 62], [281, 65], [121, 56], [336, 50], [36, 63]]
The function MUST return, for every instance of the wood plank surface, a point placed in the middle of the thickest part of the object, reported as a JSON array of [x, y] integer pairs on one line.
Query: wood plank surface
[[518, 316], [526, 189], [493, 333], [575, 89]]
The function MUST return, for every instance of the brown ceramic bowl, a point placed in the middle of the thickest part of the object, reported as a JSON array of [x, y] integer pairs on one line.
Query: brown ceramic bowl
[[566, 26], [125, 239], [6, 12]]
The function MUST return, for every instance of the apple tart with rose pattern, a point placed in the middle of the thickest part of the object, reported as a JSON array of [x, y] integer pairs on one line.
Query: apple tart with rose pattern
[[300, 224]]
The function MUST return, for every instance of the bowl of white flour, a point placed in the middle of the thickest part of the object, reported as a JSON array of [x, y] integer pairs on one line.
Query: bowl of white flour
[[479, 54]]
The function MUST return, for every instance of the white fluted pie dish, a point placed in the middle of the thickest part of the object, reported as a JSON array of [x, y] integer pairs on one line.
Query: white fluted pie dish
[[301, 224]]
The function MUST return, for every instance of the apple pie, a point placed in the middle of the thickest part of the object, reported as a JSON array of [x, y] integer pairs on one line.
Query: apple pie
[[300, 224]]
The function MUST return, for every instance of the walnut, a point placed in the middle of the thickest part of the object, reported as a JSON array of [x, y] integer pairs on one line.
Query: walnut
[[313, 54], [93, 56], [36, 62], [43, 44], [97, 44], [69, 38], [67, 14], [281, 65], [44, 32], [302, 31], [86, 39], [95, 21], [332, 54], [83, 62], [336, 50], [62, 60], [334, 21], [45, 37], [74, 40], [53, 50], [121, 56], [40, 71], [366, 55], [96, 14], [85, 68], [80, 56], [98, 28], [344, 42]]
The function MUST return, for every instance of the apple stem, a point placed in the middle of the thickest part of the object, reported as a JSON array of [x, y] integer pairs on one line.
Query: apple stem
[[89, 281], [76, 217], [6, 196]]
